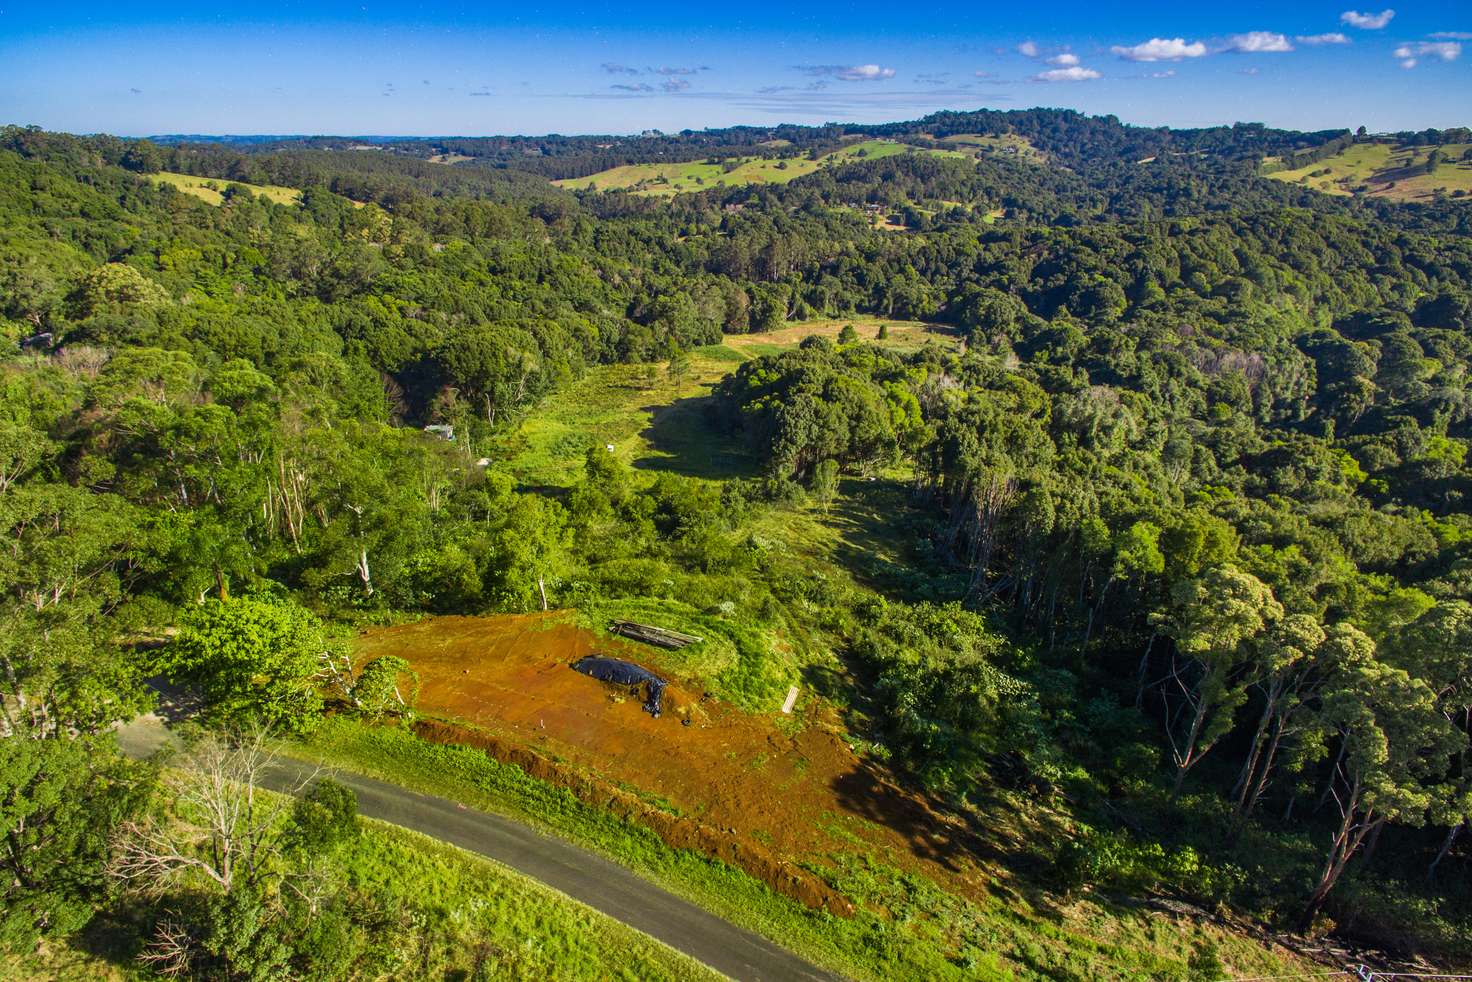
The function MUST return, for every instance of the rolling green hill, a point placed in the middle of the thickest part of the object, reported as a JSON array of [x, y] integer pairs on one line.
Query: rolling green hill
[[699, 175], [1385, 170]]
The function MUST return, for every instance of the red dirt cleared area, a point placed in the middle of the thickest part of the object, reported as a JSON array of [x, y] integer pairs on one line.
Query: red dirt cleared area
[[780, 788]]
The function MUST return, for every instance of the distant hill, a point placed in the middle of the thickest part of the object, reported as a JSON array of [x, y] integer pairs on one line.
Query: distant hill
[[1389, 169]]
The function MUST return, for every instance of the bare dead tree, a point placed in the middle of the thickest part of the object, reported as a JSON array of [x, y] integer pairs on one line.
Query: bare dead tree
[[224, 827], [170, 952]]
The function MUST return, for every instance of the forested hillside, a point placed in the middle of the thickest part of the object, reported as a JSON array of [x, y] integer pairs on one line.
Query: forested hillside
[[1187, 550]]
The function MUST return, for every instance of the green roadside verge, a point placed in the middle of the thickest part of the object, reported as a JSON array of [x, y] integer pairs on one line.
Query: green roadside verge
[[906, 926]]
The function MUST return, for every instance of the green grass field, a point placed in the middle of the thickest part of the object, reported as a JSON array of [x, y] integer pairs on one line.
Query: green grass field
[[1381, 170], [656, 422], [1005, 144], [210, 189], [698, 175]]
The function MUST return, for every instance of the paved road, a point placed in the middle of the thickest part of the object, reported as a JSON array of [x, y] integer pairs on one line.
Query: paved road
[[582, 875]]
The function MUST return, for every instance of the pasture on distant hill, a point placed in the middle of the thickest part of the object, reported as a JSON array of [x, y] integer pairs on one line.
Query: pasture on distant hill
[[699, 175], [212, 190], [1395, 171]]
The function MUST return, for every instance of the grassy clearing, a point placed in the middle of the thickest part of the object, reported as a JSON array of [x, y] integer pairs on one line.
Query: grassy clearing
[[699, 175], [1003, 145], [652, 420], [656, 422], [211, 189], [900, 335], [907, 927], [1383, 170]]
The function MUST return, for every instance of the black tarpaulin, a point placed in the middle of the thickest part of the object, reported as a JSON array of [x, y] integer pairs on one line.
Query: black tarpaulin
[[625, 673]]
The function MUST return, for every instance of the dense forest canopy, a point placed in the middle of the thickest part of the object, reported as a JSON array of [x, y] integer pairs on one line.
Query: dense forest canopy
[[1192, 550]]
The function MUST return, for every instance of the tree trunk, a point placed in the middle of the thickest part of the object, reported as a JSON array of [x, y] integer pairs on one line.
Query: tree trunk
[[542, 589], [1346, 842], [1446, 847], [1267, 767], [1249, 769], [363, 572], [1184, 762], [1144, 670]]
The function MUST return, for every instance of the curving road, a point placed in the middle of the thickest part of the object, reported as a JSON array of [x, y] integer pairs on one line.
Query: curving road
[[583, 875]]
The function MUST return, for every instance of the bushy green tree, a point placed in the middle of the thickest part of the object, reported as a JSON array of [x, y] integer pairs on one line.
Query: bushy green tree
[[252, 660]]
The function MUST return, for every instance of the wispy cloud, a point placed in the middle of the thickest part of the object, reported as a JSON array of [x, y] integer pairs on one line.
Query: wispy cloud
[[1168, 73], [1333, 37], [1258, 42], [136, 91], [1076, 73], [1366, 21], [1410, 55], [833, 101], [1451, 35], [1064, 59], [849, 73], [614, 68], [675, 84], [481, 92], [1249, 71], [1160, 49], [933, 78], [668, 70], [632, 87], [1028, 49]]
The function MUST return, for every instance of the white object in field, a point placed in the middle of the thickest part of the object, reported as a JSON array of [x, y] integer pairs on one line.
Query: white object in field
[[791, 699], [610, 447]]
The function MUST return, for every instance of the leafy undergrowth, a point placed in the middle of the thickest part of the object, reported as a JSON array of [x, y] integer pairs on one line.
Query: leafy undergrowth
[[907, 926]]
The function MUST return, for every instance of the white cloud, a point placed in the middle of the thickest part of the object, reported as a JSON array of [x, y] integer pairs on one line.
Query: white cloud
[[1333, 37], [1258, 42], [1248, 71], [1168, 73], [1411, 54], [1074, 74], [1028, 49], [1064, 59], [1452, 35], [1366, 21], [675, 84], [849, 73], [1160, 49]]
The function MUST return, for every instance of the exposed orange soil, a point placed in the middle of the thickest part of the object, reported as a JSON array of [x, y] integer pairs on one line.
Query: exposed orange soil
[[796, 791]]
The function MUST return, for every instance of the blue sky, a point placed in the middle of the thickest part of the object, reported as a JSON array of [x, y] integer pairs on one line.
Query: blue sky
[[460, 68]]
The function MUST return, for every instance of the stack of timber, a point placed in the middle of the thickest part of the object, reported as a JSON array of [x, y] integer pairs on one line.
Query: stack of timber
[[649, 634]]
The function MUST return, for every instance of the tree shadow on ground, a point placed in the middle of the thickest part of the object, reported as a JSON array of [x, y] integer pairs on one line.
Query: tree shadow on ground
[[938, 832], [881, 532], [684, 442]]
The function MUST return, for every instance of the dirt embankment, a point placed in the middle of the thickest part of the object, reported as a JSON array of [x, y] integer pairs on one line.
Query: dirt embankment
[[677, 831]]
